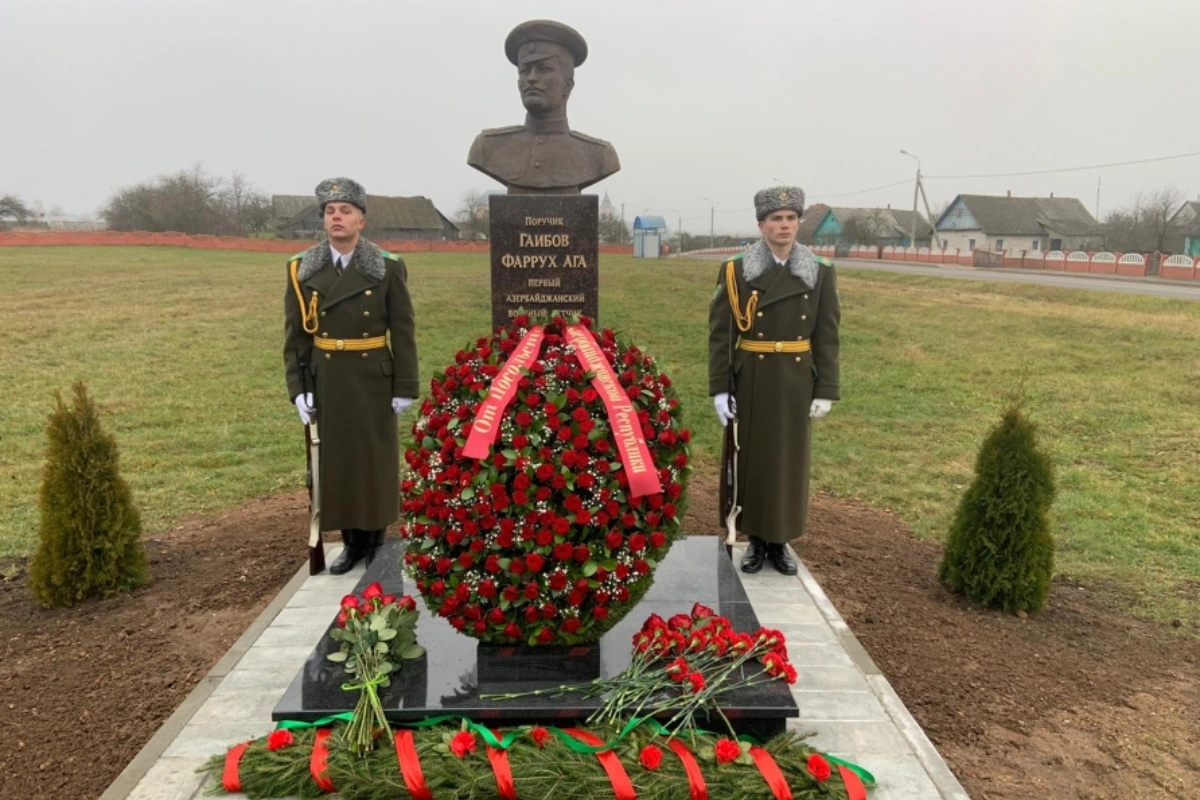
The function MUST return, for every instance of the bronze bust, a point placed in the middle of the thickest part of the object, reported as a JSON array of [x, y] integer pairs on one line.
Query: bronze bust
[[543, 156]]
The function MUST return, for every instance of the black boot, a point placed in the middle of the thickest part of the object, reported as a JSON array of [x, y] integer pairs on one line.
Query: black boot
[[781, 559], [374, 541], [756, 553], [355, 550]]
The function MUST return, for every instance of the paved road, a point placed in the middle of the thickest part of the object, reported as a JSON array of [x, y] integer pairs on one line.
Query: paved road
[[1149, 286], [1154, 287]]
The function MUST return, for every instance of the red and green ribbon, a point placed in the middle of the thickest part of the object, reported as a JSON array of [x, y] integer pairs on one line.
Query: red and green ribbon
[[855, 777], [486, 425], [318, 765], [621, 785], [622, 416], [410, 765], [696, 786], [230, 778]]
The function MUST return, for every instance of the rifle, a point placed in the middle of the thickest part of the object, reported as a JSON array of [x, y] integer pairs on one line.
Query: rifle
[[730, 510], [312, 479]]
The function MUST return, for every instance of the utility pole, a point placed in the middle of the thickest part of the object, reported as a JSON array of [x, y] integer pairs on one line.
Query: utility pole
[[712, 216], [916, 191]]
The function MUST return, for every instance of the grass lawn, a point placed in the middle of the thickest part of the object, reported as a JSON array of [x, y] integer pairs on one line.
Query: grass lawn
[[181, 348]]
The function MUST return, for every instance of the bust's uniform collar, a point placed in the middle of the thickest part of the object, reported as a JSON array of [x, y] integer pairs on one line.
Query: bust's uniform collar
[[546, 127]]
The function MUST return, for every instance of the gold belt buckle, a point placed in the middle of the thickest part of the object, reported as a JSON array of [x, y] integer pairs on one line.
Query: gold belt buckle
[[341, 344], [779, 347]]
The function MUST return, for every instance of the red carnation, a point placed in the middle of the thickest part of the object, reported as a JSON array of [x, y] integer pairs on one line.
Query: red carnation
[[462, 743], [540, 736], [650, 757], [280, 739], [679, 622], [697, 682], [726, 750], [819, 768]]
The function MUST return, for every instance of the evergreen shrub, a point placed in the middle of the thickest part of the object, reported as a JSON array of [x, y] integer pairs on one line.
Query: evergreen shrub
[[89, 527]]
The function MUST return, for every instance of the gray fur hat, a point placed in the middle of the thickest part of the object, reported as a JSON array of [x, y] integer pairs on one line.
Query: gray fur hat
[[777, 198], [341, 190]]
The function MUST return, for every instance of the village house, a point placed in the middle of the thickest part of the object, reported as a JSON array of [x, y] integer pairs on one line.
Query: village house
[[984, 222]]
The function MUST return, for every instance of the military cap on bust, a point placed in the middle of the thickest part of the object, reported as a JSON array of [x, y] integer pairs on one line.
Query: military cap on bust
[[341, 190], [538, 32], [778, 198]]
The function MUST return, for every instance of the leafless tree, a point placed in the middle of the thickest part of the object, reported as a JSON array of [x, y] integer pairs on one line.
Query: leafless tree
[[474, 215], [12, 207], [866, 229], [1146, 224], [614, 231]]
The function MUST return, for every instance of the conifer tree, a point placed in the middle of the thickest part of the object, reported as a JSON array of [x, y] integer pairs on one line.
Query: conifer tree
[[90, 529], [1000, 551]]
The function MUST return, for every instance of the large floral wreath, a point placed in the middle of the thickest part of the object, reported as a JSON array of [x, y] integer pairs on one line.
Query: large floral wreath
[[542, 540]]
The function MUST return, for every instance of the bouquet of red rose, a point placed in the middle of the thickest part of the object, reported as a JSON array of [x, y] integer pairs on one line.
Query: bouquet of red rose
[[376, 634], [683, 665], [525, 503]]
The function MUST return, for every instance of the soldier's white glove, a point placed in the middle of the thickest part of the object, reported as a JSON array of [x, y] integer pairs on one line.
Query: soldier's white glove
[[820, 408], [401, 404], [304, 404], [725, 406]]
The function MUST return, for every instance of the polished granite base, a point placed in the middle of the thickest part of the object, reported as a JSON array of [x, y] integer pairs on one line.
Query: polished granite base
[[457, 669]]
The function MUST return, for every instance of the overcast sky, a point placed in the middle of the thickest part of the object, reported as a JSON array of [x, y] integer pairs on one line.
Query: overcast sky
[[701, 99]]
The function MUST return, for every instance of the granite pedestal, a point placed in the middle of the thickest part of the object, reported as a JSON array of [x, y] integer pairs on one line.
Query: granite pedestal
[[457, 669]]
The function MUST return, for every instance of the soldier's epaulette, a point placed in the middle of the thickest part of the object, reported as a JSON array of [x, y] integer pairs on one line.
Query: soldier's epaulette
[[499, 131], [591, 139], [822, 260], [389, 256], [297, 257]]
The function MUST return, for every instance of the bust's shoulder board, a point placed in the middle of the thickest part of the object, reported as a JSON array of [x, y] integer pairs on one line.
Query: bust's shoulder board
[[590, 139], [823, 261], [502, 131]]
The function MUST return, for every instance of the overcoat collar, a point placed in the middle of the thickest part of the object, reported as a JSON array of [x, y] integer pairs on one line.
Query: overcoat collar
[[367, 259], [317, 272], [758, 259], [773, 285]]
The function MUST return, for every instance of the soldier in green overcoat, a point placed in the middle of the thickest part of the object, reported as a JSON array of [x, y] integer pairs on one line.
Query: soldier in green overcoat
[[774, 318], [350, 358]]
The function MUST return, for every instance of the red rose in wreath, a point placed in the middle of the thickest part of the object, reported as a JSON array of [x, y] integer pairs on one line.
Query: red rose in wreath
[[546, 534]]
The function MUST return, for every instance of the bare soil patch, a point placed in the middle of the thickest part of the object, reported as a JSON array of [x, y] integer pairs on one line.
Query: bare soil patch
[[1081, 702]]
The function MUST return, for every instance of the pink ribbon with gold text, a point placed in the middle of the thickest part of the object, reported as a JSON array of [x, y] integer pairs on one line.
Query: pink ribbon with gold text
[[626, 429], [486, 426]]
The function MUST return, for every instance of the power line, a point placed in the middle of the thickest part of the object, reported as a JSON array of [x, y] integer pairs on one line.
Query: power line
[[1065, 169], [863, 191]]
